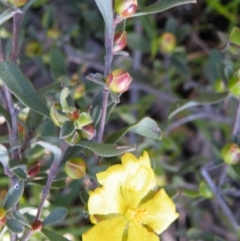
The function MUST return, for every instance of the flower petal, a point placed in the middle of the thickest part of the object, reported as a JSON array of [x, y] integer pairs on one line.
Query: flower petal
[[160, 212], [136, 185], [138, 232], [108, 230], [106, 200], [113, 175]]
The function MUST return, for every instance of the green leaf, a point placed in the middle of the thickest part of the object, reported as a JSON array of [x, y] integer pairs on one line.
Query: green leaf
[[203, 99], [72, 151], [20, 173], [6, 15], [20, 218], [84, 196], [6, 115], [13, 195], [67, 129], [52, 236], [83, 120], [57, 63], [14, 226], [106, 9], [235, 36], [161, 6], [146, 127], [56, 216], [96, 78], [21, 87], [106, 150], [65, 100], [92, 171], [57, 152]]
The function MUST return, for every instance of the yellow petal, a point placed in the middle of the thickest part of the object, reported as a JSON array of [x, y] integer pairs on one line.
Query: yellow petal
[[136, 232], [113, 174], [160, 212], [106, 200], [136, 185], [108, 230]]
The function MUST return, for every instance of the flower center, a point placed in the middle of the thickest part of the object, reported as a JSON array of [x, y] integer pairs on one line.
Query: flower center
[[136, 214]]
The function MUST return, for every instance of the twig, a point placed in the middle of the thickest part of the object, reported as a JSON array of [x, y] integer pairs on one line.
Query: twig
[[236, 127], [17, 20], [108, 63], [220, 200], [103, 115]]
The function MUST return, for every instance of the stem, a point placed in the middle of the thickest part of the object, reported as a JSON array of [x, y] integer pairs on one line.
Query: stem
[[17, 20], [52, 174], [103, 116], [108, 62], [220, 200], [236, 127], [27, 236]]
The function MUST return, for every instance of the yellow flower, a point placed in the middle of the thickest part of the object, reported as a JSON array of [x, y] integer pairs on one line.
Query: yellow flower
[[127, 206]]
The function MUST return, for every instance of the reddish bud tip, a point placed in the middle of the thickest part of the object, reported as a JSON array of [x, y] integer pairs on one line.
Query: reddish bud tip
[[3, 217], [34, 169], [120, 41], [125, 8], [118, 81], [37, 226], [88, 132], [231, 153]]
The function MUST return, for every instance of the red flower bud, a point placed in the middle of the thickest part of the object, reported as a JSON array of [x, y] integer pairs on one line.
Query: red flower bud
[[88, 132], [231, 153], [118, 81], [37, 226], [120, 41], [167, 42], [34, 169], [74, 115], [125, 8], [75, 168]]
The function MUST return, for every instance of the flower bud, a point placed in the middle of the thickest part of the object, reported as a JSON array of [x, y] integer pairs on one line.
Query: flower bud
[[118, 81], [33, 49], [18, 3], [120, 41], [231, 153], [56, 115], [73, 139], [3, 217], [74, 115], [75, 168], [167, 43], [234, 86], [88, 132], [34, 169], [125, 8], [37, 226]]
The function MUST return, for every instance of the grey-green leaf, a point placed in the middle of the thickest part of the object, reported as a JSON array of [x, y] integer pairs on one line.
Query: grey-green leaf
[[52, 236], [56, 216], [161, 6], [146, 127], [53, 148], [13, 195], [106, 150], [92, 171], [20, 218], [203, 99], [67, 129], [20, 173], [57, 63], [106, 9], [7, 14], [14, 226], [21, 87]]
